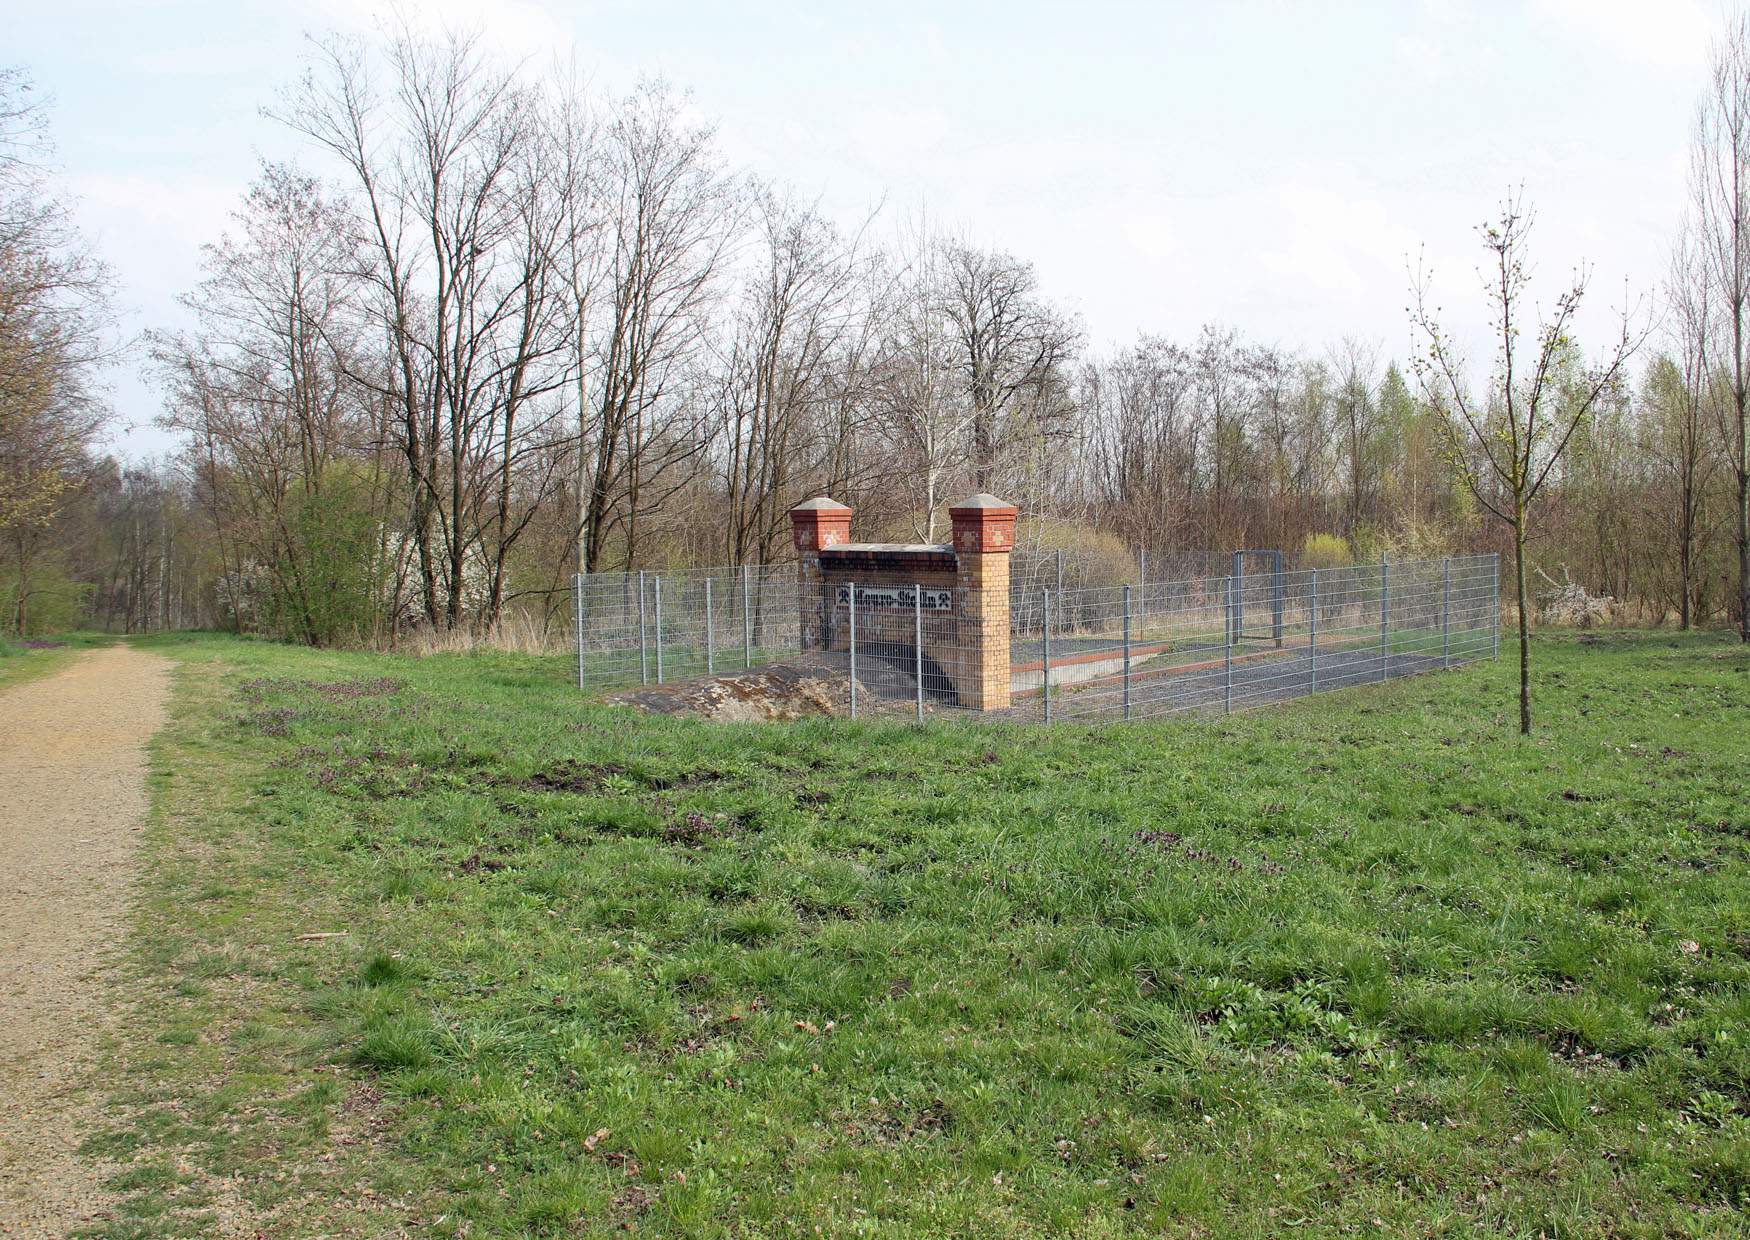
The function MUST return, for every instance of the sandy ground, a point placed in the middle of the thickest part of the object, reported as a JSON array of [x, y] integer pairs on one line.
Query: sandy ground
[[72, 806]]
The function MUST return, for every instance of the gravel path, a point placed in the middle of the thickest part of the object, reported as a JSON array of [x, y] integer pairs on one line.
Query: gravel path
[[72, 806]]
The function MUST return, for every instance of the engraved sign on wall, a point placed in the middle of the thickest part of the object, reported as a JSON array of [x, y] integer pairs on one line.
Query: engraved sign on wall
[[897, 597]]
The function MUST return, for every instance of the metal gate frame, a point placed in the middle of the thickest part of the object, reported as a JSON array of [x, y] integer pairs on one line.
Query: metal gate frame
[[1237, 609]]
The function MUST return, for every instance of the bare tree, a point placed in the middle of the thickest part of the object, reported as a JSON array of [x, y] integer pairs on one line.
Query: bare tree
[[1139, 405], [1273, 375], [1360, 432], [1009, 350], [1720, 185], [54, 332], [922, 411], [798, 319], [1222, 429], [1508, 445], [1678, 394], [673, 217], [287, 448], [578, 183], [450, 167]]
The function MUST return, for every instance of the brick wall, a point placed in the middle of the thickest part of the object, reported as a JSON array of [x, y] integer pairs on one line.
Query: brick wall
[[969, 643]]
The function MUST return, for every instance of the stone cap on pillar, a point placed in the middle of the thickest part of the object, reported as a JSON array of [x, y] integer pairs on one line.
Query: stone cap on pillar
[[983, 524], [818, 523]]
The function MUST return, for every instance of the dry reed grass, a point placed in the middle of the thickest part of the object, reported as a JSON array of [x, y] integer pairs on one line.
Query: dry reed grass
[[515, 632]]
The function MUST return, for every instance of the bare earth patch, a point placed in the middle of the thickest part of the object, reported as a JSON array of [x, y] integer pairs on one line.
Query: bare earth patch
[[795, 689], [72, 807]]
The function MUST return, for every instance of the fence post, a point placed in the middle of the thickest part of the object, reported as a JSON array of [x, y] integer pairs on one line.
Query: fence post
[[643, 635], [853, 650], [1276, 600], [579, 622], [1495, 608], [1227, 647], [1236, 607], [659, 628], [746, 621], [1127, 652], [1446, 611], [1046, 662], [1384, 610], [917, 641], [710, 634]]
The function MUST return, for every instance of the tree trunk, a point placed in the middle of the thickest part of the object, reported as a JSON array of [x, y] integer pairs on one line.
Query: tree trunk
[[1743, 544], [1740, 403], [1524, 620], [1685, 572], [21, 617], [583, 439]]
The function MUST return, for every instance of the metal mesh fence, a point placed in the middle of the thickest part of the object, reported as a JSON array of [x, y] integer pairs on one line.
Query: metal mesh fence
[[1237, 641], [1207, 644], [1091, 654], [1153, 573], [652, 628]]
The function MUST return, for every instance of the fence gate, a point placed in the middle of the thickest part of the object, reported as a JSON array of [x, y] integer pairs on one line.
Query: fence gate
[[1255, 612]]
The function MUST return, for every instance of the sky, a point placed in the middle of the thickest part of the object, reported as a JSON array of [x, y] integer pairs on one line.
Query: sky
[[1274, 167]]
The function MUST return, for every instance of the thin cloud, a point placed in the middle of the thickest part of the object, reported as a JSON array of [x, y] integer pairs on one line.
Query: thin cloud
[[1671, 34]]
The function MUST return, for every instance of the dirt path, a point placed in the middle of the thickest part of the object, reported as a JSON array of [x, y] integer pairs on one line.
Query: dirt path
[[72, 805]]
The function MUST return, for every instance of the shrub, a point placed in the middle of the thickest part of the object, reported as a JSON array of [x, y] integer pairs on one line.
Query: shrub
[[1325, 551], [328, 593], [1091, 557], [1411, 539], [1567, 602]]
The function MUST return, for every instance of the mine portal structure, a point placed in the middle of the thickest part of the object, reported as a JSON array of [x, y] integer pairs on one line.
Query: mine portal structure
[[947, 605]]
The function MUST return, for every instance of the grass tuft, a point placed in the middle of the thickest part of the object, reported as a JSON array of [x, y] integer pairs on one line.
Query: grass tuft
[[382, 970], [396, 1042]]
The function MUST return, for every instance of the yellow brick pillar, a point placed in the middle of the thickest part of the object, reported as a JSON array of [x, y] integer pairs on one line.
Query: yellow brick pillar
[[815, 525], [984, 535]]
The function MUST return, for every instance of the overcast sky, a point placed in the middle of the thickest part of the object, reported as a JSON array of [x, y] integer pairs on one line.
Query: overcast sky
[[1270, 166]]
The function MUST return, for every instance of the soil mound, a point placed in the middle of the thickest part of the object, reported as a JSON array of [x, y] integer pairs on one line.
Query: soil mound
[[796, 689]]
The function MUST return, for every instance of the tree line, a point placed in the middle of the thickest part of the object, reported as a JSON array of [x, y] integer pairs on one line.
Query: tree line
[[494, 328]]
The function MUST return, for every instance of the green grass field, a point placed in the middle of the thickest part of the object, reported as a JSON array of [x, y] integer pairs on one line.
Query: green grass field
[[1365, 963]]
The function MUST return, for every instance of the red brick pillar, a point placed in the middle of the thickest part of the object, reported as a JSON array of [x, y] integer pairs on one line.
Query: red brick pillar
[[815, 525], [984, 534]]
